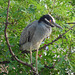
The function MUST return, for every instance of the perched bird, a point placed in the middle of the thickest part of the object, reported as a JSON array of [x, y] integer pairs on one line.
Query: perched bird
[[35, 33]]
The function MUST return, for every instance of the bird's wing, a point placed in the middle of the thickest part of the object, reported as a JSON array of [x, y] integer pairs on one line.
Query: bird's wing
[[28, 32]]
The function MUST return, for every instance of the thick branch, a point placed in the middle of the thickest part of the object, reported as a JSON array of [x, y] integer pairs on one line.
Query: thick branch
[[7, 41]]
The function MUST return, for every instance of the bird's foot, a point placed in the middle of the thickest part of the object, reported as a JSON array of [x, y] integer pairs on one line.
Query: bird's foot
[[36, 72]]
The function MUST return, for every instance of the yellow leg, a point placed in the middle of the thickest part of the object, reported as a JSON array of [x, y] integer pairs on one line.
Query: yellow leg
[[36, 61], [31, 56]]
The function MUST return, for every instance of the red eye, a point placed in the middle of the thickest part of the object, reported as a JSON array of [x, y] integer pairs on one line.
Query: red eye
[[50, 20]]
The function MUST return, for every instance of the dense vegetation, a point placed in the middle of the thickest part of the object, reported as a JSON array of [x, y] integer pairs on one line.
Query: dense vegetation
[[58, 57]]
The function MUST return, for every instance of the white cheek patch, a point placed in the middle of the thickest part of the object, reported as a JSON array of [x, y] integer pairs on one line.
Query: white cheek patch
[[52, 18], [47, 20]]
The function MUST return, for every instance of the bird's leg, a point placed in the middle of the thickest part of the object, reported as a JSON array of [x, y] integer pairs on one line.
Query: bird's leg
[[31, 55], [36, 61]]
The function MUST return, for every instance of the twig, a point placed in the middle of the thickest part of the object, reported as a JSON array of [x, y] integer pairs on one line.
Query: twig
[[4, 62], [5, 22], [49, 67], [71, 23], [7, 41]]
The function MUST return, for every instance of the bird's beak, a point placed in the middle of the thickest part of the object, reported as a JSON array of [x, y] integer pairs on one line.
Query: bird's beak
[[57, 25]]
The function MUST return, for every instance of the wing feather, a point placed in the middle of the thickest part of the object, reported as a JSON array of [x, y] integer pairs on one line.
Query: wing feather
[[28, 32]]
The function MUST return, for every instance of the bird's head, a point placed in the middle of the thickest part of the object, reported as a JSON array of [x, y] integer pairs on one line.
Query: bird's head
[[49, 20]]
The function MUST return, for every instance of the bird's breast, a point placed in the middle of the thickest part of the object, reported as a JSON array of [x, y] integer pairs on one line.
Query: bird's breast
[[40, 34]]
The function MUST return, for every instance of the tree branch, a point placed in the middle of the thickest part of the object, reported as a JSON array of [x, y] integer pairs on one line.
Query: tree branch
[[4, 62], [71, 23], [45, 66], [7, 41], [5, 22]]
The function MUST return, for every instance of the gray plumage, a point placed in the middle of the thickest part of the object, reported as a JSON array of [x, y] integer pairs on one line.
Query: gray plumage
[[34, 34]]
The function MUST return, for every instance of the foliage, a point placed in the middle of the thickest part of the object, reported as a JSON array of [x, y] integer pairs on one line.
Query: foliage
[[21, 13]]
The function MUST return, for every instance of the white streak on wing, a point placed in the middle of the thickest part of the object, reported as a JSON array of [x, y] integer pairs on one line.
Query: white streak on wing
[[52, 18]]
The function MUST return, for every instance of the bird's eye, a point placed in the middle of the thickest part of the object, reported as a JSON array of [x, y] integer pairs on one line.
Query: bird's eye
[[50, 20]]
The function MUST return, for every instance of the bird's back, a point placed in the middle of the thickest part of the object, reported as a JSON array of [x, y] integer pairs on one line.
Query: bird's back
[[27, 33]]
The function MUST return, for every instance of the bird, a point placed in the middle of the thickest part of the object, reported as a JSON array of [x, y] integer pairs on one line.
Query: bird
[[34, 33]]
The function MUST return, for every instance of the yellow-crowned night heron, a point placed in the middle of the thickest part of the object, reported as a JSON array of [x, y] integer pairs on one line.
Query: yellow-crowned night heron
[[35, 32]]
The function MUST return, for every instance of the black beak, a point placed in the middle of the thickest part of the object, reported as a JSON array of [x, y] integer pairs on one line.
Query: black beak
[[57, 25]]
